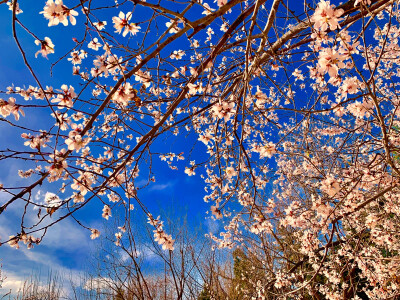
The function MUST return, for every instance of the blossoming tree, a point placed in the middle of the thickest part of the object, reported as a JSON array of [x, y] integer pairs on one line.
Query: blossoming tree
[[295, 104]]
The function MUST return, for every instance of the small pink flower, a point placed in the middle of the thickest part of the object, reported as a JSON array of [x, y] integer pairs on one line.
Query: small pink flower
[[46, 47], [330, 61], [122, 22], [95, 234], [326, 16], [330, 186], [106, 212], [94, 44]]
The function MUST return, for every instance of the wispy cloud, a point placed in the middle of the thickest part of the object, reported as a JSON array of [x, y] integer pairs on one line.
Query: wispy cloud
[[63, 240], [11, 283], [161, 187], [212, 225]]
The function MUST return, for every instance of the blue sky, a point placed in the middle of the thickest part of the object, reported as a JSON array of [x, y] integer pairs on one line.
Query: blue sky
[[67, 248]]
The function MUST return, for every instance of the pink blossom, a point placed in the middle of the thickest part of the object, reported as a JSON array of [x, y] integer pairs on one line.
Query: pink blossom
[[363, 2], [94, 44], [330, 61], [106, 212], [75, 140], [46, 47], [100, 25], [95, 234], [56, 12], [326, 16], [122, 22], [330, 186]]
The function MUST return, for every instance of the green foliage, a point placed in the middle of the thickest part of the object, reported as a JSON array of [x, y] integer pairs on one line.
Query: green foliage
[[204, 295], [247, 270]]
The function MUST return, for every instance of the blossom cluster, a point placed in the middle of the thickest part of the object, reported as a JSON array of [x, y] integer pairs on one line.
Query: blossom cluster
[[160, 236], [56, 12]]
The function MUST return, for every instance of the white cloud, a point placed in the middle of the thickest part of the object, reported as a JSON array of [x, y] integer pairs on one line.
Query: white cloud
[[12, 282], [62, 239], [68, 236], [144, 252], [98, 283], [161, 187]]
